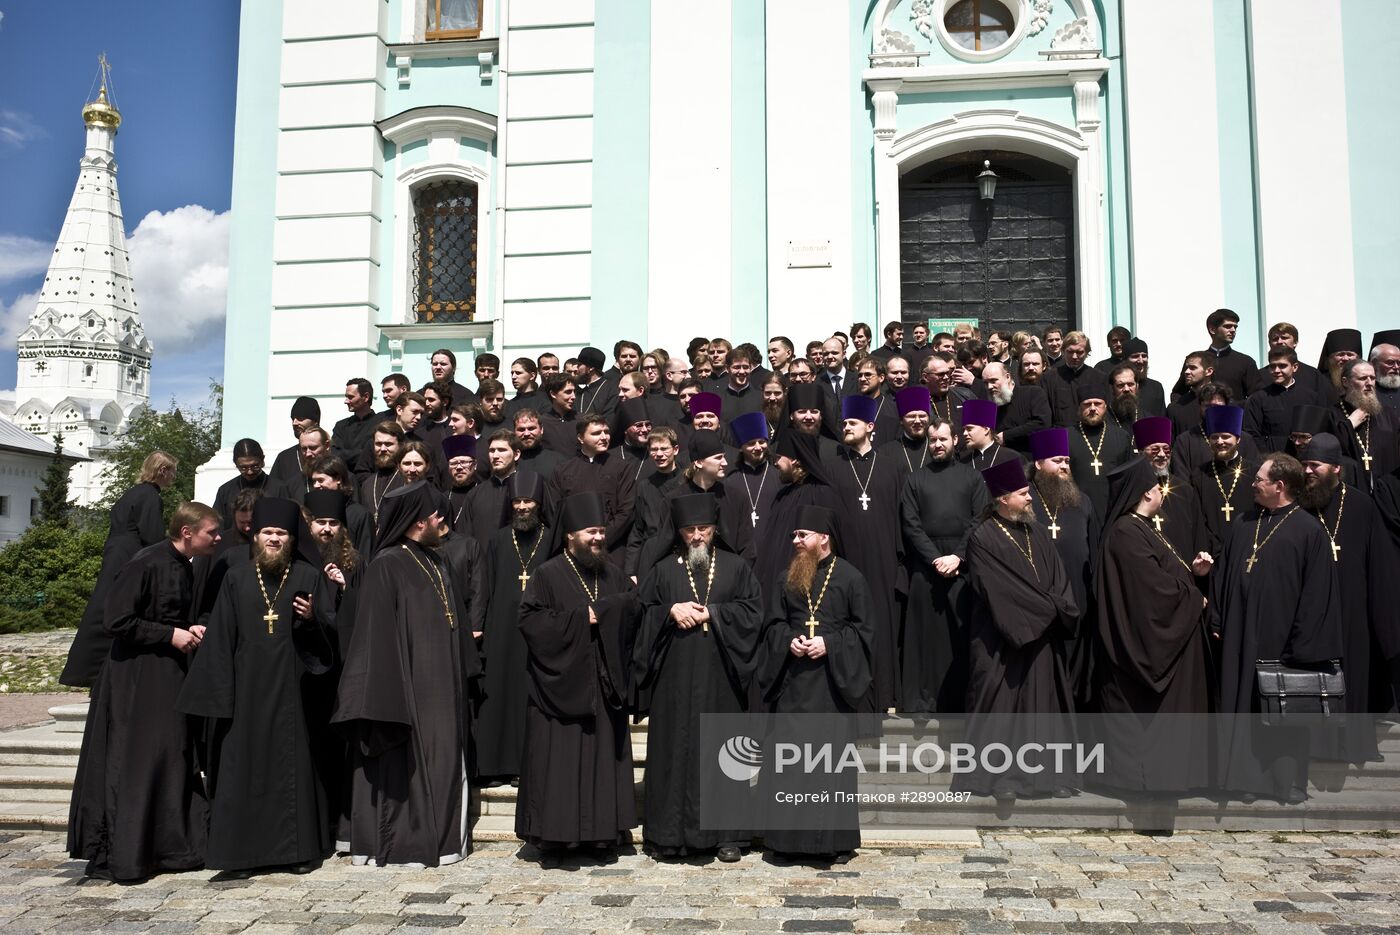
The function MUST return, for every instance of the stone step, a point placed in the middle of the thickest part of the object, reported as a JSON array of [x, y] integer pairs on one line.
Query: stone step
[[45, 745], [33, 816], [35, 784], [70, 718]]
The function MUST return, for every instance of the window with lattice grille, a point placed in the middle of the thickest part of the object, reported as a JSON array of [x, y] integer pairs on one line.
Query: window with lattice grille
[[444, 251]]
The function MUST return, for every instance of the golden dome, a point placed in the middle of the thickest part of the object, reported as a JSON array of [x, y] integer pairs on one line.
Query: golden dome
[[102, 112]]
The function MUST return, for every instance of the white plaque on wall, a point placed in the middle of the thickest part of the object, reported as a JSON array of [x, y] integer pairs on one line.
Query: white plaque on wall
[[809, 254]]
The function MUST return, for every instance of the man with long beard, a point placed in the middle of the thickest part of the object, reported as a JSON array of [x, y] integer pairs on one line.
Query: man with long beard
[[1123, 409], [1366, 566], [137, 806], [1023, 614], [272, 769], [1179, 516], [405, 693], [386, 441], [512, 556], [1151, 395], [1074, 530], [1385, 357], [578, 616], [939, 505], [694, 655], [1368, 429], [815, 657], [909, 448], [1021, 410], [1096, 445]]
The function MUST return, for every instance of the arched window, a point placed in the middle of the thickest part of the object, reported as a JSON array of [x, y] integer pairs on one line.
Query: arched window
[[87, 370], [444, 251]]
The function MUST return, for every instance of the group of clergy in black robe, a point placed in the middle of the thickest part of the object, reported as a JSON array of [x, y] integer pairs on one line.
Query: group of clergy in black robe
[[322, 690]]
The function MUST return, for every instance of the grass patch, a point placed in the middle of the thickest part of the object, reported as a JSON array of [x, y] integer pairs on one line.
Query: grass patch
[[27, 674]]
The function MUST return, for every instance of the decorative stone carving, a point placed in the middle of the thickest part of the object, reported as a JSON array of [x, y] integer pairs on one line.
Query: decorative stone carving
[[921, 12], [886, 101], [1086, 104], [892, 40], [1076, 36], [1040, 16], [894, 49]]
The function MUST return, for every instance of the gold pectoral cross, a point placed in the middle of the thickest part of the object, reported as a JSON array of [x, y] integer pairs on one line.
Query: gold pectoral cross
[[1054, 529], [1096, 464], [811, 627], [1366, 461], [523, 578], [1249, 565], [1157, 522], [1336, 549], [271, 617], [1227, 509]]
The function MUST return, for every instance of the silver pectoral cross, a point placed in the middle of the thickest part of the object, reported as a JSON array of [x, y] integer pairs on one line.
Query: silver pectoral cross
[[864, 499]]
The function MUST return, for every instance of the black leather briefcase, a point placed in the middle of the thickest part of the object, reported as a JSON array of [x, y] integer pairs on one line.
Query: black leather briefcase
[[1293, 697]]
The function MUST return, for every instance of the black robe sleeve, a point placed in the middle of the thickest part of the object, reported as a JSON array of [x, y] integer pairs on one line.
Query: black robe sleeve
[[122, 618], [1023, 604]]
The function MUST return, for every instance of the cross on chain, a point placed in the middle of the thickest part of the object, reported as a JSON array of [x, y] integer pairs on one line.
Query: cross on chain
[[1054, 528], [523, 578], [811, 627], [1096, 464], [1157, 522], [1366, 460], [271, 617], [753, 517], [1335, 550], [1227, 509], [1249, 565], [864, 499]]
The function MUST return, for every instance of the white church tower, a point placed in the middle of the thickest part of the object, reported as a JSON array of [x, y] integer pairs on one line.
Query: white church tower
[[84, 364]]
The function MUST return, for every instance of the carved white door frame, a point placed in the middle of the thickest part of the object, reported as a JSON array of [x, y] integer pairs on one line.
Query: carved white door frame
[[1079, 150]]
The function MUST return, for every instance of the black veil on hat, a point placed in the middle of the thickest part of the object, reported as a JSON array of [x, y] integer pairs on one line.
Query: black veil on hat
[[1340, 339], [631, 411], [703, 444], [698, 509], [1323, 447], [1126, 484], [819, 519], [1391, 337], [279, 513], [400, 509], [524, 484], [799, 446], [305, 407]]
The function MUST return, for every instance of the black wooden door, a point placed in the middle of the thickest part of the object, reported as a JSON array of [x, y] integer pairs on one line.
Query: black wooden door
[[1010, 265]]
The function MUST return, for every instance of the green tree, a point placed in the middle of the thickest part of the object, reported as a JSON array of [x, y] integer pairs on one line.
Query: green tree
[[47, 574], [53, 495], [190, 435]]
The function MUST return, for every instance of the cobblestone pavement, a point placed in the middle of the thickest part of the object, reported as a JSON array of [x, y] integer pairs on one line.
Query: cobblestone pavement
[[1294, 884]]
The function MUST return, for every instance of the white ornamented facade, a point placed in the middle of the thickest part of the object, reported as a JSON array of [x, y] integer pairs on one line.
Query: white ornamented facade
[[538, 175], [84, 363]]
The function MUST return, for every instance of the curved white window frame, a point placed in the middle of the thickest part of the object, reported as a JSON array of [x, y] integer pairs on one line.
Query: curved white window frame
[[1020, 13], [443, 128]]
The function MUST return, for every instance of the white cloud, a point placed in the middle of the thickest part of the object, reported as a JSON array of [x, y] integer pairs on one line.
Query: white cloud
[[18, 128], [14, 315], [22, 256], [179, 261]]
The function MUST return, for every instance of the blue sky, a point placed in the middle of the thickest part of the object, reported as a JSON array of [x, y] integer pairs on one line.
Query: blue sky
[[173, 70]]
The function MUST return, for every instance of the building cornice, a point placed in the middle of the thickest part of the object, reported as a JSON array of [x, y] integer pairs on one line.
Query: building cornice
[[420, 123], [994, 76]]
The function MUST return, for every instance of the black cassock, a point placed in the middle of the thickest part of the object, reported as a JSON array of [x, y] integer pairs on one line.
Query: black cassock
[[404, 700], [1366, 574], [839, 682], [754, 489], [1105, 443], [486, 509], [1076, 539], [1022, 616], [734, 526], [909, 453], [870, 538], [1181, 518], [773, 548], [135, 524], [608, 476], [1288, 608], [137, 806], [576, 779], [938, 508], [682, 674], [1216, 485], [273, 768], [1151, 661], [1191, 451], [500, 719]]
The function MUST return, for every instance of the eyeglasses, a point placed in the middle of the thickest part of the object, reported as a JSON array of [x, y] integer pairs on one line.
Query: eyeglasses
[[650, 367], [803, 534]]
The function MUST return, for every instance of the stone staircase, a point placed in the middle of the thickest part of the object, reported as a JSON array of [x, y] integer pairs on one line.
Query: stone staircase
[[37, 766]]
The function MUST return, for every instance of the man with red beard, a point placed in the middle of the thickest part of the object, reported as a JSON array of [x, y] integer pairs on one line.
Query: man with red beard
[[815, 654], [1368, 429], [578, 616], [272, 770]]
